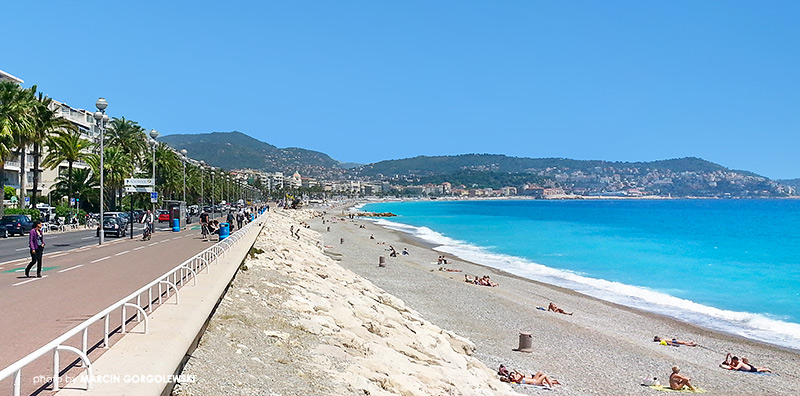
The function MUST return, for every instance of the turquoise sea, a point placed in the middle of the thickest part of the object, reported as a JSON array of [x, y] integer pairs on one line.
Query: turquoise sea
[[728, 265]]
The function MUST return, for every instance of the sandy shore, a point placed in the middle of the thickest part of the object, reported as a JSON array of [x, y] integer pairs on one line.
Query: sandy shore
[[316, 317], [603, 349]]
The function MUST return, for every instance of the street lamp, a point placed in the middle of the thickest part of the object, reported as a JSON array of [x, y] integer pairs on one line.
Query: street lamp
[[153, 144], [183, 157], [228, 188], [101, 118], [202, 168]]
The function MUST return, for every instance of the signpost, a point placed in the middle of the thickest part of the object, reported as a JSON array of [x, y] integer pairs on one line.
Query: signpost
[[133, 185], [139, 182], [130, 189]]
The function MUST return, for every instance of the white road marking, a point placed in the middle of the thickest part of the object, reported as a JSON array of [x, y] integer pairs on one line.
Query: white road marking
[[153, 244], [21, 249], [28, 281], [100, 259], [70, 268], [89, 237], [140, 247], [176, 238], [59, 255], [121, 253]]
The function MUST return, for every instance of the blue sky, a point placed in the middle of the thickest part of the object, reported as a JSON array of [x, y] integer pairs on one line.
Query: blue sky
[[365, 81]]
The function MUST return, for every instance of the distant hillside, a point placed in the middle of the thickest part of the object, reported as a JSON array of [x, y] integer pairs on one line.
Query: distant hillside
[[235, 150], [795, 183], [426, 166]]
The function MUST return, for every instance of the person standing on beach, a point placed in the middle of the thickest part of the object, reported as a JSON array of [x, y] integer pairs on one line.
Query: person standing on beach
[[36, 243]]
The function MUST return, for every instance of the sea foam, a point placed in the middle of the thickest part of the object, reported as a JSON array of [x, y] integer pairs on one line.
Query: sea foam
[[749, 325]]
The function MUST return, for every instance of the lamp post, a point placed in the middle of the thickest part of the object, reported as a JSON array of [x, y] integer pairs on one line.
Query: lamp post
[[183, 158], [101, 118], [213, 208], [228, 188], [202, 168], [153, 135]]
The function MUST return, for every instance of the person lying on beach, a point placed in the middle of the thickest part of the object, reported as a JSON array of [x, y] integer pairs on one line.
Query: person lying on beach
[[514, 376], [677, 381], [449, 270], [485, 281], [554, 308], [734, 363], [673, 342]]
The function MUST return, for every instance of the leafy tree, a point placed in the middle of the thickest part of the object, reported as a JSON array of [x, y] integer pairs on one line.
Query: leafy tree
[[67, 146], [15, 104], [83, 185], [45, 122]]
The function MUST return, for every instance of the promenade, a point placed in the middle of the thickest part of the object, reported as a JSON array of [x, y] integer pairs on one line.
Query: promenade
[[80, 278]]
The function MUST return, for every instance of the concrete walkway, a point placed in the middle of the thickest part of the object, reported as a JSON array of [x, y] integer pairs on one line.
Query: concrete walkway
[[145, 364]]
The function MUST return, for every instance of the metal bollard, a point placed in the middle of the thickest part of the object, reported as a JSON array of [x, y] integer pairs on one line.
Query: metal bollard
[[525, 343], [341, 241], [381, 261]]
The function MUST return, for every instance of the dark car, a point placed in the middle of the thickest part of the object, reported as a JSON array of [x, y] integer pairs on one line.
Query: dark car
[[16, 224], [112, 225], [138, 214]]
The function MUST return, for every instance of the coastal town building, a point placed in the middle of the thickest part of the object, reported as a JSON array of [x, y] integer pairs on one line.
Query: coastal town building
[[13, 172]]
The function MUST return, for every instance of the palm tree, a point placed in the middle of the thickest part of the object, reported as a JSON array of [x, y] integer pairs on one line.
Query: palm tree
[[117, 165], [15, 103], [129, 137], [67, 146], [45, 122], [84, 185]]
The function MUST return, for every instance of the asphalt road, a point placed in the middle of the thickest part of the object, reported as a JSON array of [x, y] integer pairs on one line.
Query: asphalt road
[[80, 278]]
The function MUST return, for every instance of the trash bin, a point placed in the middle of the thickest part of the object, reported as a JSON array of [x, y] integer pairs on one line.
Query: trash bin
[[176, 225], [224, 231]]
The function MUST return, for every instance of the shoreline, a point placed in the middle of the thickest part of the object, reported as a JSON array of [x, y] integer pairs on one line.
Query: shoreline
[[514, 289], [635, 300]]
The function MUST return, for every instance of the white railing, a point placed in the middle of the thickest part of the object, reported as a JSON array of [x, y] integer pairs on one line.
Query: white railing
[[171, 279]]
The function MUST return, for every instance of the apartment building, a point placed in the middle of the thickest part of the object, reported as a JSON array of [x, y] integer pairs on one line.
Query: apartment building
[[83, 121]]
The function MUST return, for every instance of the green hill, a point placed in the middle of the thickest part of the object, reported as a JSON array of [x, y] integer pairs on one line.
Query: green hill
[[235, 150], [426, 166]]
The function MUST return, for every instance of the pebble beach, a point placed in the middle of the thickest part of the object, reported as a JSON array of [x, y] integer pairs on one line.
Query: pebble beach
[[317, 315]]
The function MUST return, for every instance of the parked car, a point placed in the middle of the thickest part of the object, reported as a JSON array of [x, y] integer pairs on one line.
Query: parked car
[[16, 224], [163, 216], [122, 216], [138, 214], [112, 225]]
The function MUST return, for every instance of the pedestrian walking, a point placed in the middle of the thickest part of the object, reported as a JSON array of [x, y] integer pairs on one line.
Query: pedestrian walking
[[239, 218], [36, 243], [231, 219]]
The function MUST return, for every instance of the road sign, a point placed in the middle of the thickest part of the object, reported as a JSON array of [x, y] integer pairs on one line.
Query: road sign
[[27, 199], [139, 182], [153, 197], [129, 189]]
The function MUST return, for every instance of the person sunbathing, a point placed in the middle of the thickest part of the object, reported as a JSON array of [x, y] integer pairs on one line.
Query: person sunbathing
[[485, 281], [449, 269], [745, 365], [540, 378], [677, 381], [554, 308], [673, 342]]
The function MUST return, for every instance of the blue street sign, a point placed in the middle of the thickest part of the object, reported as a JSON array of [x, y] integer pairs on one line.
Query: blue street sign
[[153, 197]]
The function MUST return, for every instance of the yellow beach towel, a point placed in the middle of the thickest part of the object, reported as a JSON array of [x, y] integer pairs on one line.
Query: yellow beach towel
[[684, 390]]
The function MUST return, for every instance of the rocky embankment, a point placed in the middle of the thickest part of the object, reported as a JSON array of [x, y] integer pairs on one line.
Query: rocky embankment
[[294, 322]]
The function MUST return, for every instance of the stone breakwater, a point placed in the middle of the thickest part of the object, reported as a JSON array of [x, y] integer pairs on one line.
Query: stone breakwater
[[295, 322]]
